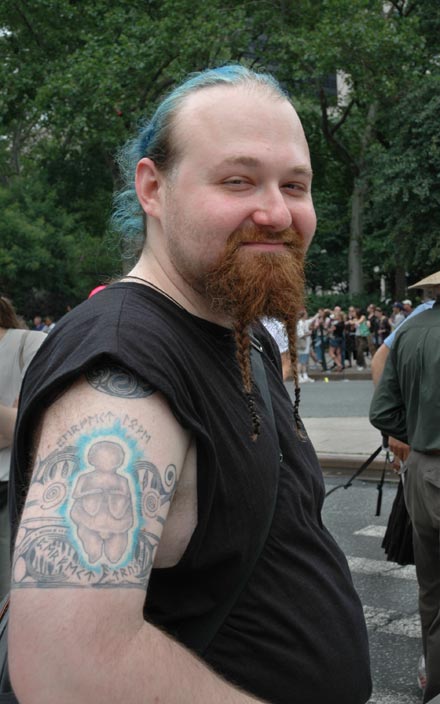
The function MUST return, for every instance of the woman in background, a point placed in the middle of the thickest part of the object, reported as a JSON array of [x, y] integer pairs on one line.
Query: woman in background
[[17, 347]]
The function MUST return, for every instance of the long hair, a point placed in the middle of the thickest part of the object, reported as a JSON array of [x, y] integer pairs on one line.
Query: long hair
[[155, 140], [8, 316]]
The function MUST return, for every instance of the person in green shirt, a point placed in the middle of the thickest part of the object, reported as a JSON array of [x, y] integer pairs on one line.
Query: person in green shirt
[[406, 405]]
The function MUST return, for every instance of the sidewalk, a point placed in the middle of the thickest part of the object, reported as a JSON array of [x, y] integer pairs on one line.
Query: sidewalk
[[343, 444]]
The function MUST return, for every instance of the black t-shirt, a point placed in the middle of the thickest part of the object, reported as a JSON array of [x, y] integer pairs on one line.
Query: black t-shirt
[[297, 632]]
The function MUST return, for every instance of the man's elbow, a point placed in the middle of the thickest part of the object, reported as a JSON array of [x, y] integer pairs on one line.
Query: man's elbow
[[388, 425], [375, 419]]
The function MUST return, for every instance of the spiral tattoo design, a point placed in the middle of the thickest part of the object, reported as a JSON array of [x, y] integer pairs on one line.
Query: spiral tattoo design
[[117, 381]]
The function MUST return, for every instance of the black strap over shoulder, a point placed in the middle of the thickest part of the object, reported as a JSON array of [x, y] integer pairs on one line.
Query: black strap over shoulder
[[200, 635], [260, 378]]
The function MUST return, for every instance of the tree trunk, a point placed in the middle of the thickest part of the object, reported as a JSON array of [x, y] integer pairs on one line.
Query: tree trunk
[[355, 271], [399, 282]]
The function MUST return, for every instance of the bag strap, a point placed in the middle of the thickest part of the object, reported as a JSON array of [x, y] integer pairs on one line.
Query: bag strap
[[21, 349], [260, 378], [198, 636]]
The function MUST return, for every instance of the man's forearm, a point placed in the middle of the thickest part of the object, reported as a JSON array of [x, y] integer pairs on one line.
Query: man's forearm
[[147, 669]]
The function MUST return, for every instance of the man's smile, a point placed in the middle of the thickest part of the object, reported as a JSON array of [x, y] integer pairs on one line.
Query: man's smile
[[264, 246]]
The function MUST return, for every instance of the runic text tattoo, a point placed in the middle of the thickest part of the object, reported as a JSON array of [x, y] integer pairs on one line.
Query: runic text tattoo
[[95, 510], [117, 381]]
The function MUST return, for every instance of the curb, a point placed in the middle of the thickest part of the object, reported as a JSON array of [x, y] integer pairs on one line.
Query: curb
[[344, 465], [347, 374], [349, 462]]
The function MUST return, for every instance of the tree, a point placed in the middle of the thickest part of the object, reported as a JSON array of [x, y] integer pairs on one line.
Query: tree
[[405, 200], [76, 78], [376, 51]]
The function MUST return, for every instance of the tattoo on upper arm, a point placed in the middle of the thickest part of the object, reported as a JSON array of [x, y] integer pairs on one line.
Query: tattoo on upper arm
[[117, 381], [94, 514]]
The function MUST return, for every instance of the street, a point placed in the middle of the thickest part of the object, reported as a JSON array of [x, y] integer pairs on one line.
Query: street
[[388, 592], [335, 398]]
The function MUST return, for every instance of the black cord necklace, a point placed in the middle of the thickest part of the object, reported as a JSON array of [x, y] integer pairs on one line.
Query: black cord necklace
[[164, 293]]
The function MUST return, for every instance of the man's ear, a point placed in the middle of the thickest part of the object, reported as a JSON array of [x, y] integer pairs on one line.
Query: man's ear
[[149, 186]]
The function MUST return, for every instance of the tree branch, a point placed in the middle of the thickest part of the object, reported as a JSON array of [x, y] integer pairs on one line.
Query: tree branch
[[403, 8], [345, 114], [28, 25], [329, 135]]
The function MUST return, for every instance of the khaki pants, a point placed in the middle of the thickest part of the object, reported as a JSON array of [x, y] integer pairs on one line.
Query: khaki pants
[[422, 496]]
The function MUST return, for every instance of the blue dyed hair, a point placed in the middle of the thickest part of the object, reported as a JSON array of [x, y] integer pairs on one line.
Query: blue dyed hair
[[155, 140]]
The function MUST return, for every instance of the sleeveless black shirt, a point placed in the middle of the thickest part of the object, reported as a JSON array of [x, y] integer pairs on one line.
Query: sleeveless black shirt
[[297, 632]]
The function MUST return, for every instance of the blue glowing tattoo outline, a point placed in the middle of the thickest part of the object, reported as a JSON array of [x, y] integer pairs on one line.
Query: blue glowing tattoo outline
[[120, 436]]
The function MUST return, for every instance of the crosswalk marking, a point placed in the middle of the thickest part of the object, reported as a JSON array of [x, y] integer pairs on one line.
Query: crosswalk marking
[[387, 621], [373, 531], [392, 622], [382, 697], [363, 565]]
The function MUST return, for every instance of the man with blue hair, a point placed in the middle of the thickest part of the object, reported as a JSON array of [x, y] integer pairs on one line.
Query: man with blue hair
[[166, 500]]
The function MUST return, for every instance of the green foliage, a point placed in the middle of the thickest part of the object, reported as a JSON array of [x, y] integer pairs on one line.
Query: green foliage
[[405, 201], [76, 78], [47, 260], [344, 300]]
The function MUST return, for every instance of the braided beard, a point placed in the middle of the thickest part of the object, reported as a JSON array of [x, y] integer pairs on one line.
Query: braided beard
[[248, 285]]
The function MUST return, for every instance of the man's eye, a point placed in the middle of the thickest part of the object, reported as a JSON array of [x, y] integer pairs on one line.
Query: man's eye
[[294, 186], [235, 182]]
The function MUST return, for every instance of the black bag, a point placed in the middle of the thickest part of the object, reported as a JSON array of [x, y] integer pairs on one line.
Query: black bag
[[7, 696], [397, 542]]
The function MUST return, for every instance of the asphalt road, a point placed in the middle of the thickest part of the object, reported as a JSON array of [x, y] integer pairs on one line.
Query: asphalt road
[[335, 398], [388, 592]]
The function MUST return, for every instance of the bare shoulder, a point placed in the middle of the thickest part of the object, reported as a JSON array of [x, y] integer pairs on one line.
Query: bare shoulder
[[106, 466]]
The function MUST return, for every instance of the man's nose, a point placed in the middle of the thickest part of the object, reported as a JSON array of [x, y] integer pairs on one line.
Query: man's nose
[[272, 211]]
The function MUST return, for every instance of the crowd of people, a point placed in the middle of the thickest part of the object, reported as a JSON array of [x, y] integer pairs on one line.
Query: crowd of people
[[347, 337]]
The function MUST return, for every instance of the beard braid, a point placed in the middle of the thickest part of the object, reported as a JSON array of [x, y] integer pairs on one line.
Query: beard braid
[[247, 286]]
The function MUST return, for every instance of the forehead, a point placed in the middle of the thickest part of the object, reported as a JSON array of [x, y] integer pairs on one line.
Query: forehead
[[226, 122]]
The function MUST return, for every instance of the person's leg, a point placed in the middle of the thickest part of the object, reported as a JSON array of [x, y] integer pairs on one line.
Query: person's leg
[[338, 358], [343, 352], [305, 360], [422, 496], [360, 361], [318, 351], [302, 369], [332, 351]]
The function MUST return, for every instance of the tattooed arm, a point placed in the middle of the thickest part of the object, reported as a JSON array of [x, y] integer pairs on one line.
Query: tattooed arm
[[109, 465]]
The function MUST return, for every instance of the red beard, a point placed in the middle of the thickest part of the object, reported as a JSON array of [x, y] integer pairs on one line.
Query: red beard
[[249, 285]]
